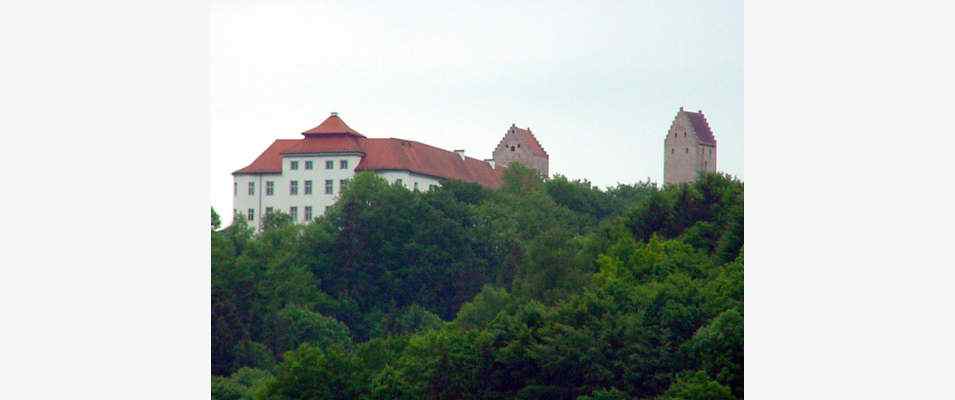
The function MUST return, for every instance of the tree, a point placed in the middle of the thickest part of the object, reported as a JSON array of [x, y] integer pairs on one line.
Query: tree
[[313, 372], [216, 222], [297, 325], [485, 306], [555, 289], [411, 319], [653, 215], [718, 348], [697, 386]]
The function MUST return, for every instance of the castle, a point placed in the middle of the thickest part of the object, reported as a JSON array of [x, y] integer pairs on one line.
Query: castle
[[689, 148], [302, 177]]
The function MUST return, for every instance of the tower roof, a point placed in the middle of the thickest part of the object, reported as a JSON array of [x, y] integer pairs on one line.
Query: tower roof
[[529, 139], [333, 125], [702, 128]]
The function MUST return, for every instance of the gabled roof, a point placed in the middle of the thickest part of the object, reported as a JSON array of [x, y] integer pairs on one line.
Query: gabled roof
[[528, 138], [270, 161], [408, 155], [333, 125], [702, 128], [377, 154]]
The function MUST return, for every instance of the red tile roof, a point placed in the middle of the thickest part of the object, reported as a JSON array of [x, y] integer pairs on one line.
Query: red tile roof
[[408, 155], [270, 161], [702, 128], [378, 154], [531, 141], [333, 125], [326, 144]]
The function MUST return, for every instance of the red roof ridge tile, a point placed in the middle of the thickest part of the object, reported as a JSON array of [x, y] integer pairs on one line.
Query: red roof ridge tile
[[333, 125], [702, 127]]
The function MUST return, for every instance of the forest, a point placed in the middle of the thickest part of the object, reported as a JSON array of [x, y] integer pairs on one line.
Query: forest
[[541, 289]]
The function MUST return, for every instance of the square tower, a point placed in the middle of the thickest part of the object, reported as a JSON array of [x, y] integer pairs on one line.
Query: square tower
[[521, 146], [689, 148]]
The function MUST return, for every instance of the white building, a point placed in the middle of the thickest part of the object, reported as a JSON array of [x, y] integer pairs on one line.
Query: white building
[[302, 177]]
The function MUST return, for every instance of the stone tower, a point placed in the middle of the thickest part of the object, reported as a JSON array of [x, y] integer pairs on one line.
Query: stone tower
[[689, 148], [520, 145]]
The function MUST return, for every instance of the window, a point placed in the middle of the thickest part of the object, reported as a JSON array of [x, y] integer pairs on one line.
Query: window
[[704, 164], [308, 213], [308, 187], [684, 133], [416, 186], [268, 211], [269, 188], [251, 188], [329, 164], [251, 214], [687, 150], [328, 186], [711, 152], [343, 164], [672, 150], [293, 188], [430, 187], [235, 188], [309, 164], [341, 185], [512, 148], [293, 212], [398, 181], [294, 164]]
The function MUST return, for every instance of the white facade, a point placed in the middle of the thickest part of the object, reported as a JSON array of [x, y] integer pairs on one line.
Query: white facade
[[323, 180], [410, 180]]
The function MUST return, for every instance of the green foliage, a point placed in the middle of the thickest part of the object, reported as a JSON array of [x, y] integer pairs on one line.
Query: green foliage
[[296, 326], [519, 179], [484, 308], [554, 289], [697, 386], [216, 221], [715, 348], [313, 372], [244, 384], [605, 394], [252, 354], [411, 319]]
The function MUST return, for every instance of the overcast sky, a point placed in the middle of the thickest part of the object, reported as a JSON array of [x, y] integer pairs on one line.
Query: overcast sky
[[597, 82]]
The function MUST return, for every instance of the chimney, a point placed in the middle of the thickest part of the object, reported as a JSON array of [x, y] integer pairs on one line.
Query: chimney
[[334, 114], [490, 161], [681, 108], [460, 153]]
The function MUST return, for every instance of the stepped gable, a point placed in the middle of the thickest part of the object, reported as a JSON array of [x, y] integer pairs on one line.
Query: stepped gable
[[702, 127], [528, 138]]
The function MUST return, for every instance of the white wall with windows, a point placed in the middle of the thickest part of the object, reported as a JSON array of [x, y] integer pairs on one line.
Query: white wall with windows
[[307, 185]]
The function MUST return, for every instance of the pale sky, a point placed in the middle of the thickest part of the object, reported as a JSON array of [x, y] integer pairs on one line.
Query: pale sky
[[597, 82]]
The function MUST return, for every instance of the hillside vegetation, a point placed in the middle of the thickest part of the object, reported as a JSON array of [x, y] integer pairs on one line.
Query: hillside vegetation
[[543, 289]]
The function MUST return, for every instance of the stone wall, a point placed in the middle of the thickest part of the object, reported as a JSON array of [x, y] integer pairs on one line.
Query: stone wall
[[517, 145], [684, 156]]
